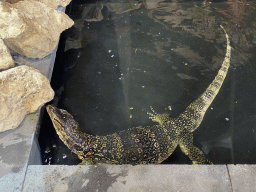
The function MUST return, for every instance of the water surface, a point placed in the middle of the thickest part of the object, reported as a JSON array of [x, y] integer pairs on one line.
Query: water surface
[[121, 58]]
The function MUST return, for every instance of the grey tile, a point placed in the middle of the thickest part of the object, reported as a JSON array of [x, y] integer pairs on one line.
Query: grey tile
[[15, 146], [13, 180], [116, 178], [243, 177]]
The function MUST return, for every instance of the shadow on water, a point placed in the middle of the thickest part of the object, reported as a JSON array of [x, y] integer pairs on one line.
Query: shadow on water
[[119, 59]]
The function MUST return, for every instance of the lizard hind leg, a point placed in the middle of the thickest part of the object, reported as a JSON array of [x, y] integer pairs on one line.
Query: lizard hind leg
[[187, 147], [159, 118]]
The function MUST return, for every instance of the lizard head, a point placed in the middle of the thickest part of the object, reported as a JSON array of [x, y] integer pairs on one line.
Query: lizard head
[[61, 119]]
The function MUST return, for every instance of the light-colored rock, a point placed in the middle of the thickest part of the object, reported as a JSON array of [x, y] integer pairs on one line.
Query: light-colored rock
[[55, 3], [11, 1], [40, 27], [23, 90], [11, 24], [6, 60], [50, 3]]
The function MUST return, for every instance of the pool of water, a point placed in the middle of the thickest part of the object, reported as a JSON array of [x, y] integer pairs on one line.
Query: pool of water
[[121, 58]]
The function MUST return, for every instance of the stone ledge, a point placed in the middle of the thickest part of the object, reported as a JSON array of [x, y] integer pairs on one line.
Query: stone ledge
[[243, 177], [113, 178]]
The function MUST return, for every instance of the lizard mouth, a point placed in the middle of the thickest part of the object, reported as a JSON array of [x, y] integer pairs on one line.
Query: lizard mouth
[[55, 115], [50, 109]]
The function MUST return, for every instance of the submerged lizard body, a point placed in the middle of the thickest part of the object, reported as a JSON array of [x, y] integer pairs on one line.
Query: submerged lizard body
[[139, 145]]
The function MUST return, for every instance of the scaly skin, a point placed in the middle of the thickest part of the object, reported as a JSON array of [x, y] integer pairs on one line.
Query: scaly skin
[[142, 145]]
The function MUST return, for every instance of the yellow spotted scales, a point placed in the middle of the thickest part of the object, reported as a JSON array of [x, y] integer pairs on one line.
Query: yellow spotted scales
[[142, 145]]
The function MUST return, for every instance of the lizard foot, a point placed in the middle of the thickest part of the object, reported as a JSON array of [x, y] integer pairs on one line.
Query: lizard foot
[[159, 118]]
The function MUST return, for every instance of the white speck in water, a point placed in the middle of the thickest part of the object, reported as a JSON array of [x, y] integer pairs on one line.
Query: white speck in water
[[170, 107], [227, 119], [54, 146], [50, 160], [112, 55], [144, 71], [186, 63], [120, 78], [109, 51], [64, 156], [211, 108], [47, 151], [122, 74], [99, 72], [128, 69], [171, 49], [143, 86], [88, 27]]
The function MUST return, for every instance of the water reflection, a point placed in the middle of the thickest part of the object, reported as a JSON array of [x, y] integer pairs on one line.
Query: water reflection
[[162, 54]]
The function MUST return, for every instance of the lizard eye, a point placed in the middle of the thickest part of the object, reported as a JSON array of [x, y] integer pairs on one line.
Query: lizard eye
[[63, 111]]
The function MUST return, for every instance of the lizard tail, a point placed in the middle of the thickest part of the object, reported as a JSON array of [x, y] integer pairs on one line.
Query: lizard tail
[[192, 117]]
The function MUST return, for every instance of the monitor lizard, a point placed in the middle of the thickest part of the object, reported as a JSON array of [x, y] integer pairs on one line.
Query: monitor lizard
[[142, 145]]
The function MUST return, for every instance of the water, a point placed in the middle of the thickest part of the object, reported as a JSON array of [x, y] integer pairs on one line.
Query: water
[[121, 58]]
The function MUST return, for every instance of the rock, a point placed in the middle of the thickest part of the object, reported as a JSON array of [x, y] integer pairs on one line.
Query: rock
[[50, 3], [55, 3], [38, 29], [23, 90], [11, 24], [6, 60]]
